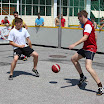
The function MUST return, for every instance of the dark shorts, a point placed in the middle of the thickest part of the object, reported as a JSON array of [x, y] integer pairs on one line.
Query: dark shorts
[[27, 51], [87, 54]]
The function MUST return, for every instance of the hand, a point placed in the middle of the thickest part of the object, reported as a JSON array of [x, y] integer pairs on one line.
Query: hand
[[71, 46], [22, 46], [100, 29], [7, 24]]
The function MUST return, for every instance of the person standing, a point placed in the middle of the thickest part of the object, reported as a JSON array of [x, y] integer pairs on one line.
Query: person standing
[[62, 21], [88, 51], [17, 38], [57, 21], [39, 21], [13, 21]]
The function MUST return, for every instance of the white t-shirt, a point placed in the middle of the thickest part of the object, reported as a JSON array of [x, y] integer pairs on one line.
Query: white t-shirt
[[18, 36]]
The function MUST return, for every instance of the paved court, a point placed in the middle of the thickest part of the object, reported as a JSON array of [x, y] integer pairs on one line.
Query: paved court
[[49, 88]]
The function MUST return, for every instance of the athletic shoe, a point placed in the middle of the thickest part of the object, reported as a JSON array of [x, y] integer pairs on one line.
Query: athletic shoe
[[36, 72], [82, 80], [100, 91], [10, 77], [24, 58]]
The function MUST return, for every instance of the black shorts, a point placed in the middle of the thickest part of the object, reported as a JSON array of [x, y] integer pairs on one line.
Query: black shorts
[[25, 51], [87, 54]]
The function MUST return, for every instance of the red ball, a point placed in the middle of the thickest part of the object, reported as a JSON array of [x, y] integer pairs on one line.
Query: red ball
[[55, 68]]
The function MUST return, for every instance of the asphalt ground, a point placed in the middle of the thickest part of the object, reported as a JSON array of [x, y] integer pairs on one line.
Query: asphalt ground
[[49, 88]]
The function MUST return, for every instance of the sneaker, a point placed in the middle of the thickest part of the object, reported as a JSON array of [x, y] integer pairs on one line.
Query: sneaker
[[82, 80], [36, 72], [10, 77], [24, 58], [100, 91]]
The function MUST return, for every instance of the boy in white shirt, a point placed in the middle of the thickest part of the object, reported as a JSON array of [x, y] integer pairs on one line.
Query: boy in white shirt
[[17, 38]]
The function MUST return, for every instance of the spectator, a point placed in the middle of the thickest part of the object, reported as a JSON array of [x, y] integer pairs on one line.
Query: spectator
[[57, 21], [102, 21], [62, 21], [39, 21], [16, 16], [95, 26], [94, 23], [5, 21]]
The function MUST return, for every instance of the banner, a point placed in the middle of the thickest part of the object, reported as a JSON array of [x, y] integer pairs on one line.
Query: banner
[[4, 32]]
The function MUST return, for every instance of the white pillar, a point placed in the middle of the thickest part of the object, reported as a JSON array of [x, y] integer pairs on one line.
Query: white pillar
[[55, 9], [18, 6], [88, 7]]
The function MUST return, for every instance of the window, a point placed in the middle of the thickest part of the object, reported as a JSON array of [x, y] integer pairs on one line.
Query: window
[[42, 10], [76, 2], [23, 1], [42, 2], [64, 11], [5, 1], [48, 11], [71, 2], [5, 9], [70, 11], [23, 9], [28, 1], [12, 9], [28, 9], [13, 1], [64, 2], [64, 6], [75, 11], [35, 10], [35, 1], [48, 2]]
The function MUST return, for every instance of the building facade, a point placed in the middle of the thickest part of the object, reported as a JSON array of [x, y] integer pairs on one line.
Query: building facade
[[28, 10]]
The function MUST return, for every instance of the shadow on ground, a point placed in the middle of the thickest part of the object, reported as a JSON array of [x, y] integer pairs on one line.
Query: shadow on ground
[[74, 82], [18, 73]]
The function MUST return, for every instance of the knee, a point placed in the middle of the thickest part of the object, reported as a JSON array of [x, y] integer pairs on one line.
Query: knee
[[88, 68], [35, 54], [73, 59], [16, 58]]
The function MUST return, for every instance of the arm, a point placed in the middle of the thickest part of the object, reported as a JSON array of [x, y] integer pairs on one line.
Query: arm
[[29, 42], [43, 24], [64, 23], [79, 26], [84, 38], [35, 24], [55, 22], [101, 27], [95, 25], [26, 27], [16, 45], [13, 24]]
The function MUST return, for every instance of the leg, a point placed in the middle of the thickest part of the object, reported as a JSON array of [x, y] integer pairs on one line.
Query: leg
[[74, 60], [91, 71], [13, 64], [35, 59], [94, 75]]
